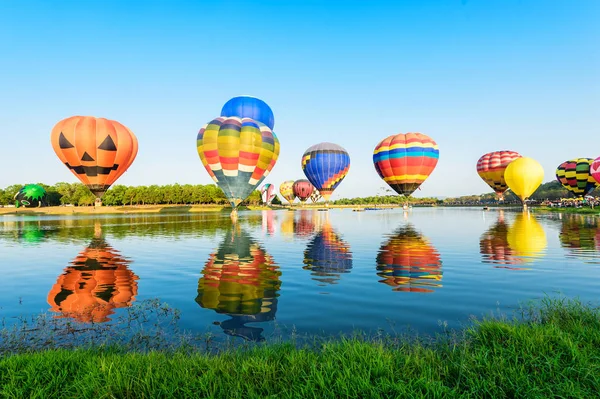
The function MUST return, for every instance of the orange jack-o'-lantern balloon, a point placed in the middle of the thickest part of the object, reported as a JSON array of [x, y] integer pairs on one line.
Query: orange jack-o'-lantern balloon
[[97, 150]]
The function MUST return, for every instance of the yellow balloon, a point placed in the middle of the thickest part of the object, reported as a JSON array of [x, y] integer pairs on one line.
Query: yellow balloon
[[526, 237], [523, 176]]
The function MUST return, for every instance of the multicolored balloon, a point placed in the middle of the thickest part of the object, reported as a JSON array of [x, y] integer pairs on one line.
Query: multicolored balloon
[[303, 189], [405, 161], [249, 107], [325, 165], [268, 193], [491, 168], [287, 191], [575, 175], [97, 150], [30, 196], [238, 153], [523, 176], [315, 196], [409, 263]]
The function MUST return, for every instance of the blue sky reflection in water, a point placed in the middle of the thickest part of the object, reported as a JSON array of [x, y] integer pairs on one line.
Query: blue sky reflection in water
[[315, 272]]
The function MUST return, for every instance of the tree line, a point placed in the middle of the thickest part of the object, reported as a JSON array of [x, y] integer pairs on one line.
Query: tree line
[[77, 194]]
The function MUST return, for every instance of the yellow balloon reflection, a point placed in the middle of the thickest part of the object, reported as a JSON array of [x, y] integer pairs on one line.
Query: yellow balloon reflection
[[299, 224], [241, 280], [527, 238], [97, 281], [494, 246], [409, 263], [327, 255]]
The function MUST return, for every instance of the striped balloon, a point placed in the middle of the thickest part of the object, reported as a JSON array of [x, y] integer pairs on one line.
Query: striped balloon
[[238, 153], [303, 189], [404, 161], [595, 169], [325, 165], [287, 190], [575, 176], [267, 193], [491, 167]]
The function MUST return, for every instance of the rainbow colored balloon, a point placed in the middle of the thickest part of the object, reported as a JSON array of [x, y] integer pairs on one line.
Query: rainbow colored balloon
[[238, 153], [405, 161], [325, 165]]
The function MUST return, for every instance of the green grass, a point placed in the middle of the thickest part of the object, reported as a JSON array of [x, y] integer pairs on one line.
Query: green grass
[[551, 351], [584, 210]]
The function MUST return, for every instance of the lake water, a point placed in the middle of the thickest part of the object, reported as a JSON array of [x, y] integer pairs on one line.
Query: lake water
[[305, 271]]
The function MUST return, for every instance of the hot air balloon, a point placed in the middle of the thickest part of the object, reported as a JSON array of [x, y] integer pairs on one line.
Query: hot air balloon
[[527, 238], [97, 281], [494, 246], [409, 263], [325, 165], [523, 176], [238, 153], [575, 176], [30, 196], [327, 256], [97, 150], [240, 278], [249, 107], [268, 193], [404, 161], [315, 196], [595, 169], [287, 190], [491, 168], [303, 189]]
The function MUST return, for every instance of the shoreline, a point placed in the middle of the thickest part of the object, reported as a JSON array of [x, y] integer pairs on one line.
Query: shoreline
[[548, 350]]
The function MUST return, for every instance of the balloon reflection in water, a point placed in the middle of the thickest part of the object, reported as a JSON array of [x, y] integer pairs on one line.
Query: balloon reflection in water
[[241, 280], [527, 238], [494, 246], [327, 256], [97, 281], [268, 224], [580, 235], [409, 263]]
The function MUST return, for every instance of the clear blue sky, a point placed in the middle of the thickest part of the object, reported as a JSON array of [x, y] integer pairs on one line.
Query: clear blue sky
[[475, 75]]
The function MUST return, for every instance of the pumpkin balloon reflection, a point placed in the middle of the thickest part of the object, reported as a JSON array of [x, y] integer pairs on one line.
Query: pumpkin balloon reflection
[[97, 281], [327, 256], [240, 279], [409, 263]]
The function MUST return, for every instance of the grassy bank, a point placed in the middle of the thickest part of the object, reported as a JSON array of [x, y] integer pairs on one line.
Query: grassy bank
[[585, 210], [551, 352]]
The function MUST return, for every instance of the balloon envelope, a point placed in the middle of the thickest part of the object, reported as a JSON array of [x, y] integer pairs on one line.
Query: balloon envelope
[[31, 195], [97, 150], [325, 166], [404, 161], [303, 189], [249, 107], [595, 169], [523, 176], [238, 153], [287, 190], [268, 193], [491, 168], [575, 175]]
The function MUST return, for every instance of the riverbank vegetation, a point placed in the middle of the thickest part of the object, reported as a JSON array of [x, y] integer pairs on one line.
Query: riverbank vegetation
[[547, 351]]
